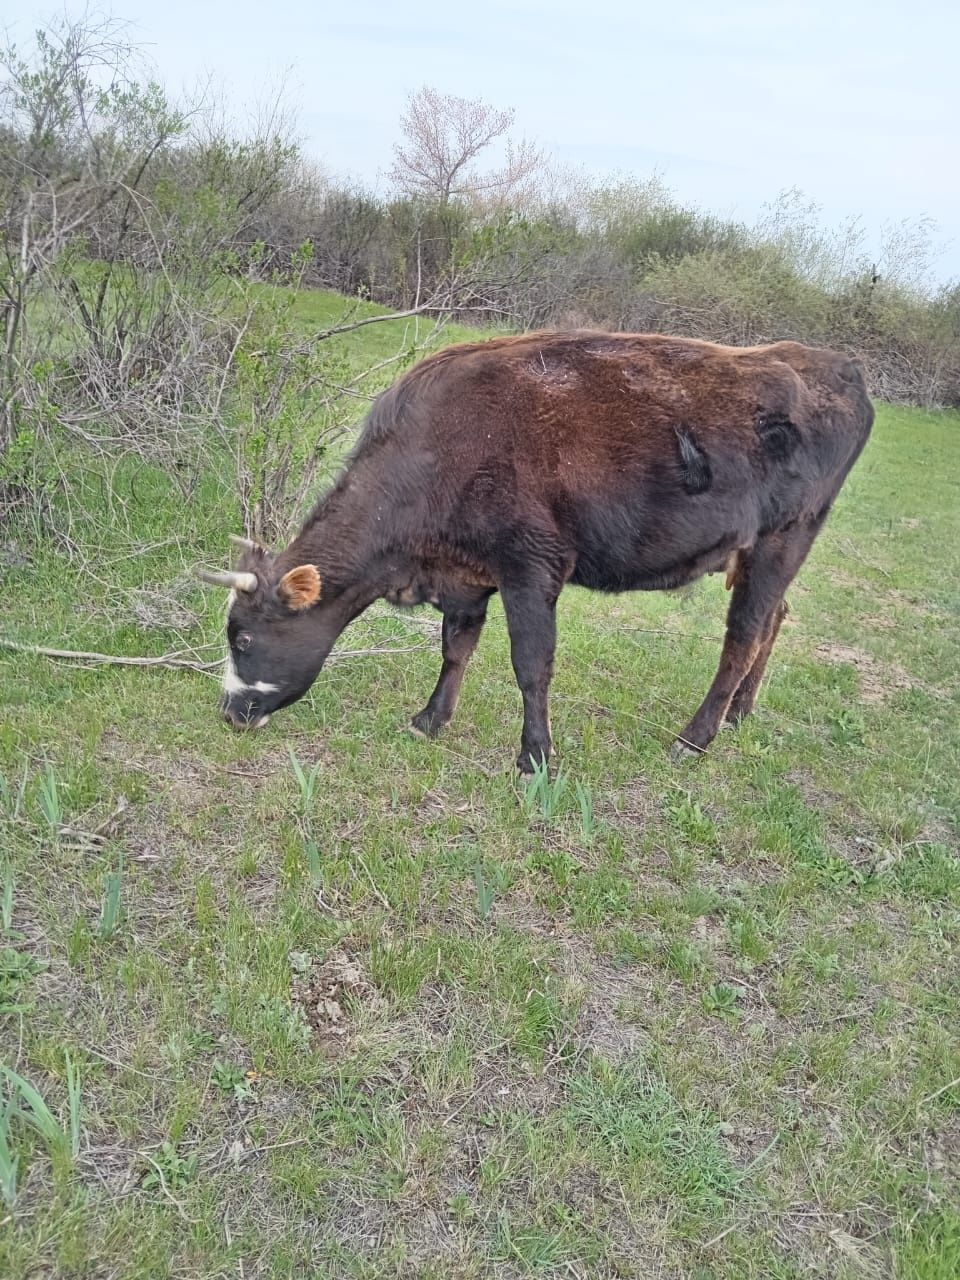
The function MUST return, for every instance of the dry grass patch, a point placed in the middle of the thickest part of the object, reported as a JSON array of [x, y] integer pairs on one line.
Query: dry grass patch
[[878, 680]]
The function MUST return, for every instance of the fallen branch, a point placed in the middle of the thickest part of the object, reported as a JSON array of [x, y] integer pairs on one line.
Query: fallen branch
[[173, 660], [373, 653], [112, 659]]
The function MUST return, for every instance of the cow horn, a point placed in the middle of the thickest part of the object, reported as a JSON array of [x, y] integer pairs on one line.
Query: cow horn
[[238, 581], [248, 544]]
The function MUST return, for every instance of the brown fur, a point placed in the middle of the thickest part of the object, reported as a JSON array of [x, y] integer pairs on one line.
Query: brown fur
[[611, 461]]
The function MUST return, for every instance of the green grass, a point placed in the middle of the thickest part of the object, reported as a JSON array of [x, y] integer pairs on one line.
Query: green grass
[[329, 1000]]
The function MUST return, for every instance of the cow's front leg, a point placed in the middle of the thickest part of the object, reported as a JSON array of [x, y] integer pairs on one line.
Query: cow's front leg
[[753, 620], [462, 623], [532, 623]]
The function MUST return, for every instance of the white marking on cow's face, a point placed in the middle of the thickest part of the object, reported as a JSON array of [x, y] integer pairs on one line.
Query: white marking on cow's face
[[262, 721], [233, 684], [231, 681]]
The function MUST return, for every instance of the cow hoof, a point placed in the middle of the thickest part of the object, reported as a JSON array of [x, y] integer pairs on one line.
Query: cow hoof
[[424, 726], [528, 767], [681, 751]]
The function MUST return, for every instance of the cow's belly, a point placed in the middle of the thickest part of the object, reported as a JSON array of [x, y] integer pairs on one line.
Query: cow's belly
[[615, 551], [615, 574]]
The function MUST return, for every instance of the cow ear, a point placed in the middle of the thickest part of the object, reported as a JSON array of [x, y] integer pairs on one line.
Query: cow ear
[[300, 588]]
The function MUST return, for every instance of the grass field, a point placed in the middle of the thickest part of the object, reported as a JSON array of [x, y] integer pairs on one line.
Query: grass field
[[329, 1000]]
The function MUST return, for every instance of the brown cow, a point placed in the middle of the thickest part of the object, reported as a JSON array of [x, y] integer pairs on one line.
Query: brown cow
[[620, 462]]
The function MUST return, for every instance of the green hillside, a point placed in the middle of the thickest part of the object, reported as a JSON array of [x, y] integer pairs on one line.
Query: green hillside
[[339, 1002]]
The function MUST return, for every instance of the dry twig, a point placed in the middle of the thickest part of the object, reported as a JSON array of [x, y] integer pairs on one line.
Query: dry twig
[[174, 660], [112, 659]]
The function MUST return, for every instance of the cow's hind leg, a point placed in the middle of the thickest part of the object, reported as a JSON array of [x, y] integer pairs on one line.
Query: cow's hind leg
[[463, 621], [742, 702], [756, 611]]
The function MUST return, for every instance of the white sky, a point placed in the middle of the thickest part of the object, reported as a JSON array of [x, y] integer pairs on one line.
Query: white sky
[[856, 102]]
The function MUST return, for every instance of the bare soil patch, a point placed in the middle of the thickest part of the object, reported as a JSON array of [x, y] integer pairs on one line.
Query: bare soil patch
[[878, 680]]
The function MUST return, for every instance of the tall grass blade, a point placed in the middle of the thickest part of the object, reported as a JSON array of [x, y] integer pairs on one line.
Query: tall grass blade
[[8, 1160], [588, 821], [74, 1099], [306, 782], [543, 794], [297, 770], [110, 907], [314, 863], [37, 1114], [50, 802], [485, 894], [6, 900]]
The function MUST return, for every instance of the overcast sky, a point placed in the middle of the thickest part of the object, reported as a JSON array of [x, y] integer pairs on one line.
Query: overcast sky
[[856, 102]]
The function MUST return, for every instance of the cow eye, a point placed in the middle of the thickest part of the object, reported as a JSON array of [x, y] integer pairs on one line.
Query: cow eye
[[243, 641]]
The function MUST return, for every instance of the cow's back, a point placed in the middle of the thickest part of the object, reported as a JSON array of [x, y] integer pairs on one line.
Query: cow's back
[[643, 452], [602, 395]]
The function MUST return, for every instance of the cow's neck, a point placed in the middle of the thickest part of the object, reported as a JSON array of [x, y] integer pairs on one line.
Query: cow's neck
[[346, 538]]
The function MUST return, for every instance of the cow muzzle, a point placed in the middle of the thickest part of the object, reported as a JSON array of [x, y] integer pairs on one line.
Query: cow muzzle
[[240, 713]]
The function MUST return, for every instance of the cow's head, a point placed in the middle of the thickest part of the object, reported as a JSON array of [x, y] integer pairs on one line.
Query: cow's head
[[278, 635]]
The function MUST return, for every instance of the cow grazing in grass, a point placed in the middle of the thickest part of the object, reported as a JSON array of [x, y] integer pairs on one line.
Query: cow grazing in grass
[[619, 462]]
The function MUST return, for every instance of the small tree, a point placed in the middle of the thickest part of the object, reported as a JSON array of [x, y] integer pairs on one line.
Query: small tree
[[121, 218], [64, 157], [443, 136]]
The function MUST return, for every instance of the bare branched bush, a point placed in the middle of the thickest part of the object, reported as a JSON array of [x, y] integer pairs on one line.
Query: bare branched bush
[[72, 147], [118, 228], [348, 243], [542, 272]]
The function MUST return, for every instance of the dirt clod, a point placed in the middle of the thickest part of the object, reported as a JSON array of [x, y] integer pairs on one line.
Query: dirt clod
[[329, 991]]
